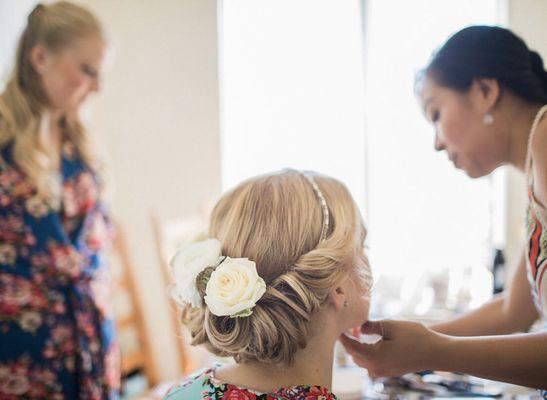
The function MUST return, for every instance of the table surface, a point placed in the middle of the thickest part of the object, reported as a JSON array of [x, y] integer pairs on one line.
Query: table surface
[[352, 379]]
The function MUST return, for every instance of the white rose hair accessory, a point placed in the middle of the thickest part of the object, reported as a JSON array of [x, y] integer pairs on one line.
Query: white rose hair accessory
[[187, 264], [232, 286]]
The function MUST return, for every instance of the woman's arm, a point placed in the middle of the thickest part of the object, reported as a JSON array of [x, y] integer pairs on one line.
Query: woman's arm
[[520, 359], [512, 311], [408, 347]]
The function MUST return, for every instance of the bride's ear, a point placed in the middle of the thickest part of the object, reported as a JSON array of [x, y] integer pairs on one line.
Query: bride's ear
[[338, 298]]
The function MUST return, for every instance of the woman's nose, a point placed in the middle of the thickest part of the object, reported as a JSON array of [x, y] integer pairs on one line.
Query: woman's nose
[[439, 145], [95, 85]]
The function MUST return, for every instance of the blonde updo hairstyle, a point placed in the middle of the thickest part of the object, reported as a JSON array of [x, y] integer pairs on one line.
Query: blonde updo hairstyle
[[275, 220], [24, 101]]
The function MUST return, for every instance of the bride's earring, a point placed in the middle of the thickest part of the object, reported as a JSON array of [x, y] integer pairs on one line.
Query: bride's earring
[[346, 303], [488, 119]]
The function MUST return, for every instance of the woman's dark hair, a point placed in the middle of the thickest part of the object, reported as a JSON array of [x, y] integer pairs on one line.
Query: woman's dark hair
[[490, 52]]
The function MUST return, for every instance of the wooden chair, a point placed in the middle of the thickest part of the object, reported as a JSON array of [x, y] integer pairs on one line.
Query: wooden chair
[[132, 334]]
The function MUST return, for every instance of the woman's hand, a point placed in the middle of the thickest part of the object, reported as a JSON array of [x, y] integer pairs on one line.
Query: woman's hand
[[404, 347]]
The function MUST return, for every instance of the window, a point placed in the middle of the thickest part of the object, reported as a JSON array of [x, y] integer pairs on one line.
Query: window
[[292, 89], [425, 217]]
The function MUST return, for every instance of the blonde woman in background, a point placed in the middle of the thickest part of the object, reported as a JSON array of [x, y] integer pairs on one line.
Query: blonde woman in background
[[282, 276], [56, 334]]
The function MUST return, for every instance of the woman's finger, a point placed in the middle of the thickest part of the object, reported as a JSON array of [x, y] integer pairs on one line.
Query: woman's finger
[[375, 328], [356, 332], [353, 346]]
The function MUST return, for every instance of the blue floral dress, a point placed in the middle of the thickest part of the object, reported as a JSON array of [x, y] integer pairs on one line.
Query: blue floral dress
[[56, 332]]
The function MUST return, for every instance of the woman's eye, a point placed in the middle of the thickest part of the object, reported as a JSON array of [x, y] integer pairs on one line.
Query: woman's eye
[[89, 71], [435, 116]]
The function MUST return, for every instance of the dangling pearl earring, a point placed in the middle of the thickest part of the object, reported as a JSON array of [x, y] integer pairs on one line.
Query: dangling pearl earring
[[488, 119]]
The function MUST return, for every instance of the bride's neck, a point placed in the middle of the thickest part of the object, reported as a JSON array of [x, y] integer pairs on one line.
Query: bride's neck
[[312, 366]]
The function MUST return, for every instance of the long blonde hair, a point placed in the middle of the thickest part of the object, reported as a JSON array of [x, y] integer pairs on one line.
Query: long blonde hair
[[23, 103], [276, 221]]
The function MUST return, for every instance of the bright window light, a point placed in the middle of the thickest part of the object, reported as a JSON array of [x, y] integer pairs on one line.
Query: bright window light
[[292, 89], [423, 214]]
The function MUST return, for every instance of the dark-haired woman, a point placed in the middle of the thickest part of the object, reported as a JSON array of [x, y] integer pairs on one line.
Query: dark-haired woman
[[485, 94]]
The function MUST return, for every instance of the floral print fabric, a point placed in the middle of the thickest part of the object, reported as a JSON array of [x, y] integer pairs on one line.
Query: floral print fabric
[[56, 332], [204, 386]]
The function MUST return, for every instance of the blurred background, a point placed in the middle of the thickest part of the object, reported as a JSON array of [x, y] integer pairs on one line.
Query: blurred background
[[200, 94]]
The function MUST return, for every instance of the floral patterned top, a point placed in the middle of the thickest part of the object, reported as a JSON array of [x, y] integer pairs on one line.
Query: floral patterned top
[[536, 235], [536, 243], [204, 386], [56, 332]]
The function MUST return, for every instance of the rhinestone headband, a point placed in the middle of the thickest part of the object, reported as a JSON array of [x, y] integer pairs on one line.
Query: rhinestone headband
[[323, 202]]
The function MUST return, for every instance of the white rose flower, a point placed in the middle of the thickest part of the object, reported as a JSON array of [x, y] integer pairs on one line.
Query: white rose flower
[[234, 288], [187, 264]]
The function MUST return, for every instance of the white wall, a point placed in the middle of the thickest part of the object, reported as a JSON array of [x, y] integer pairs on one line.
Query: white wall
[[13, 17], [157, 119], [528, 19]]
